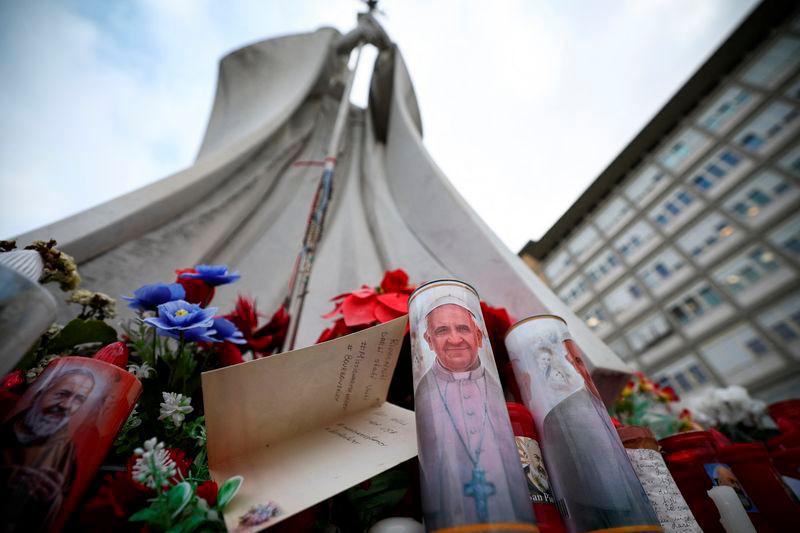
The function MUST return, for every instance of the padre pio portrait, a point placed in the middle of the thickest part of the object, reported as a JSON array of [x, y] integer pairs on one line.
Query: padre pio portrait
[[50, 441], [471, 471]]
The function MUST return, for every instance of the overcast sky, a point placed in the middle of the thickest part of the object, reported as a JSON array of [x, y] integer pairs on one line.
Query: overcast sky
[[523, 103]]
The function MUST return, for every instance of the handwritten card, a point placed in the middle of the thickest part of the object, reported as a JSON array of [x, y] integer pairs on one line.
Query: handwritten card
[[305, 425]]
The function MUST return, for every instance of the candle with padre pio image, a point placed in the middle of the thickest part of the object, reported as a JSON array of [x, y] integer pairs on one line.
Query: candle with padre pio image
[[57, 435], [593, 480], [471, 476]]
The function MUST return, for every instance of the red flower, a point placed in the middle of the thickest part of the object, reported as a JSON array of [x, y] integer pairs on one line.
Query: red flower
[[497, 322], [13, 382], [197, 291], [115, 353], [369, 306], [117, 498], [208, 491], [338, 329], [616, 422], [269, 338], [396, 281], [228, 353], [669, 394]]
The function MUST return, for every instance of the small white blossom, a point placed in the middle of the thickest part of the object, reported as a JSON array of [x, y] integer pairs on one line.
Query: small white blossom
[[142, 371], [175, 407], [153, 467]]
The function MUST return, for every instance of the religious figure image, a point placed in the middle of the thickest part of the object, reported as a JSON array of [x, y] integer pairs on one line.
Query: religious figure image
[[533, 466], [471, 471], [54, 439], [38, 461], [722, 475], [589, 469]]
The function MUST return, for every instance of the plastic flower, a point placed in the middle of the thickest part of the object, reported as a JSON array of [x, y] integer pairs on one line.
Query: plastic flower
[[208, 491], [372, 305], [175, 407], [266, 339], [142, 371], [153, 467], [180, 318], [58, 266], [149, 297], [226, 331], [214, 275]]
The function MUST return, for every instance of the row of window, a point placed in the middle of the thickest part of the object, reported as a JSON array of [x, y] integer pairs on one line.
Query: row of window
[[757, 201], [760, 135], [740, 354]]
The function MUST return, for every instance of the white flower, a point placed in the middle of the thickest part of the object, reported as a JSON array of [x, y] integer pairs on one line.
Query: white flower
[[153, 467], [142, 371], [729, 406], [175, 407]]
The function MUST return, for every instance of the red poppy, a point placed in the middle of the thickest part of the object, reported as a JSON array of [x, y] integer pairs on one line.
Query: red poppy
[[497, 322], [208, 491], [396, 281], [115, 353], [197, 291]]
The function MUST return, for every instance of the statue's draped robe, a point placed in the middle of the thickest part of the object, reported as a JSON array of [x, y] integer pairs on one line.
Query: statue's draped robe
[[246, 199]]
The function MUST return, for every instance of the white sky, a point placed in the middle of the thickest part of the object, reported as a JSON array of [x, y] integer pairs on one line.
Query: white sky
[[523, 103]]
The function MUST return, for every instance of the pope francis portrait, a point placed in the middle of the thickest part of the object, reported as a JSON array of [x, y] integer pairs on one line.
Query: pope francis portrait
[[471, 472]]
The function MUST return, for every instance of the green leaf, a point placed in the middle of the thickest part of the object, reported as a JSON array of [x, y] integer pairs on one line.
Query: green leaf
[[178, 496], [228, 490], [188, 524], [81, 331], [148, 514]]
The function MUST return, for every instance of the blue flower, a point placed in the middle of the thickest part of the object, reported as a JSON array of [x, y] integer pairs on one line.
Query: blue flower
[[182, 318], [149, 297], [213, 275], [227, 331]]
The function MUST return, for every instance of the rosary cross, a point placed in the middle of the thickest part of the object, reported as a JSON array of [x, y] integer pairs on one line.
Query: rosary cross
[[480, 489]]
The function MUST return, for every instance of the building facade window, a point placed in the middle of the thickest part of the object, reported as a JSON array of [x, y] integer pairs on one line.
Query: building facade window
[[761, 198], [620, 347], [694, 303], [636, 241], [597, 320], [719, 172], [790, 162], [664, 271], [726, 109], [793, 91], [575, 292], [787, 236], [646, 185], [649, 332], [584, 243], [752, 274], [559, 267], [774, 65], [604, 269], [765, 132], [614, 215], [686, 376], [683, 150], [624, 300], [708, 238], [782, 321], [675, 210], [740, 355]]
